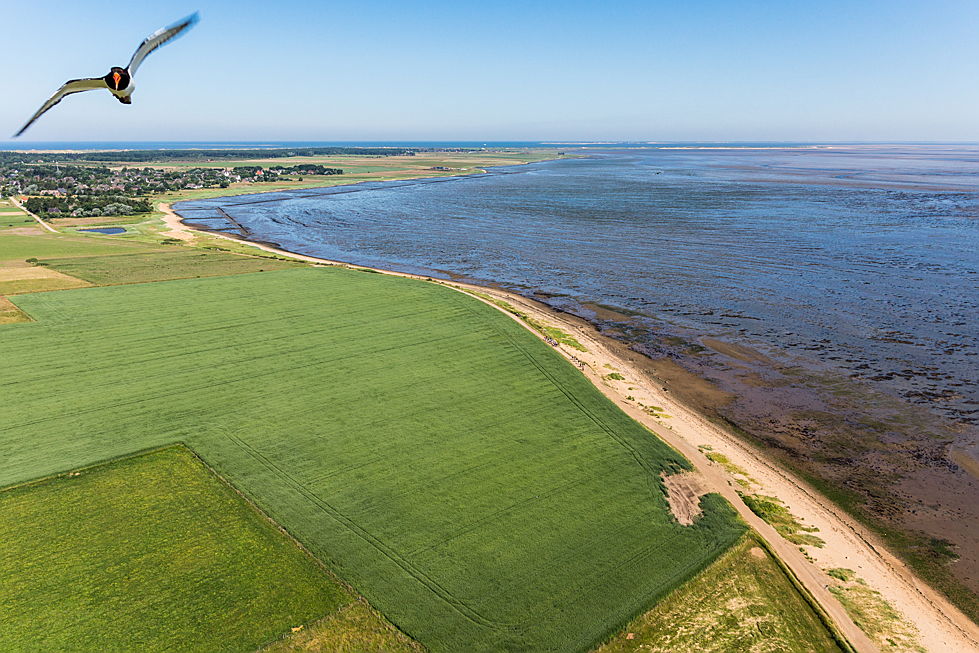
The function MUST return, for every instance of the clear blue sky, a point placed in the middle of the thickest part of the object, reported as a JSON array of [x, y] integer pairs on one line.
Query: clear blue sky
[[502, 70]]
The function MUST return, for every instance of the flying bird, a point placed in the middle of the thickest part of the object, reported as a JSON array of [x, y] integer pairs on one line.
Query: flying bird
[[119, 81]]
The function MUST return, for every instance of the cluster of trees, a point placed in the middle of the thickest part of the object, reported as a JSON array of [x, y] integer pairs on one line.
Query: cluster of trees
[[308, 169], [301, 169], [83, 206]]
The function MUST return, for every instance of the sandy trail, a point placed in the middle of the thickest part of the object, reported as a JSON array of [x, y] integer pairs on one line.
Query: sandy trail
[[942, 627], [41, 222], [175, 228]]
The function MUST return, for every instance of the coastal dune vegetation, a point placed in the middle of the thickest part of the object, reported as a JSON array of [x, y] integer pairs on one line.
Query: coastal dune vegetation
[[742, 602], [451, 467]]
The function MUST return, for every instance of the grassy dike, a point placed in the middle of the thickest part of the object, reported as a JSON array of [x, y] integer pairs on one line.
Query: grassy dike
[[461, 475]]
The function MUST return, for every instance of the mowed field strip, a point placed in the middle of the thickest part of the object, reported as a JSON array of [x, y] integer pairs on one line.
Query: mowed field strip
[[460, 474]]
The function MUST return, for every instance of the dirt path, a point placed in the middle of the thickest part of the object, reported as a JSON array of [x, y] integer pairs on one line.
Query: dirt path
[[942, 627], [41, 222]]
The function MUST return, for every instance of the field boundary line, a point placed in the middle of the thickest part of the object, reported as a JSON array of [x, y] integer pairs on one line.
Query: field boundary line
[[388, 552], [356, 596], [99, 463]]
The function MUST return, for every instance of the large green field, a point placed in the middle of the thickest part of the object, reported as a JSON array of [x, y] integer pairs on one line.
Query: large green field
[[149, 553], [464, 477]]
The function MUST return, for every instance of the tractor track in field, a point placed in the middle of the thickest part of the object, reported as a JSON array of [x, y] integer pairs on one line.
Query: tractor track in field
[[387, 551]]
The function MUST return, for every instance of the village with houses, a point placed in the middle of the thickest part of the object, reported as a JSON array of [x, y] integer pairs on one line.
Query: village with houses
[[54, 189]]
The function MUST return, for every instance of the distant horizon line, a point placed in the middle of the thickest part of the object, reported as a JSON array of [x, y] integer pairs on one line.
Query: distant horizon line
[[269, 143]]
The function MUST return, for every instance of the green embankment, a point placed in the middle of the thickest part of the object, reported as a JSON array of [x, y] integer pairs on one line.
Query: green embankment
[[458, 472], [742, 602], [149, 553]]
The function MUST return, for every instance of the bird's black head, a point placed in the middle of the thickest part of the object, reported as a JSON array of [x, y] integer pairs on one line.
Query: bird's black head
[[117, 79]]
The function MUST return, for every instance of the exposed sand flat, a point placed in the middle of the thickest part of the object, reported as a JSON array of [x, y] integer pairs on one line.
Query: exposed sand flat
[[175, 228], [941, 625]]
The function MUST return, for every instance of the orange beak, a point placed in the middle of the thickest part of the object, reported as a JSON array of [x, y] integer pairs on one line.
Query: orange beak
[[115, 78]]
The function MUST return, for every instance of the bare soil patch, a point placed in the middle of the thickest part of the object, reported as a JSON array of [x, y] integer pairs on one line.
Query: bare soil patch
[[683, 492]]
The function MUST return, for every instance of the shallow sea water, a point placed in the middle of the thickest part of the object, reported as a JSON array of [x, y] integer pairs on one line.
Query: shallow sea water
[[861, 259]]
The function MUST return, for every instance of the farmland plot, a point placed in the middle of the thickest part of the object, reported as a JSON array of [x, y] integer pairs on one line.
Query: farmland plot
[[149, 553], [179, 263], [461, 475]]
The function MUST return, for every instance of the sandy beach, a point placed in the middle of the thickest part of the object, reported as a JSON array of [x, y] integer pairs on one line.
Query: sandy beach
[[940, 625]]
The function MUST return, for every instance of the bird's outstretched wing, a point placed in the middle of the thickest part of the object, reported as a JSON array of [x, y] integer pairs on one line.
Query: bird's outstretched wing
[[158, 38], [71, 86]]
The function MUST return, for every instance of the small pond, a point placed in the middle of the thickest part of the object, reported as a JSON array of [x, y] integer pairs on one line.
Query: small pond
[[111, 231]]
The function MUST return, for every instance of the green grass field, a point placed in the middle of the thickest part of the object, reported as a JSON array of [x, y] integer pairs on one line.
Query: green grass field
[[465, 478], [149, 553], [43, 245], [742, 602], [177, 263], [15, 219]]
